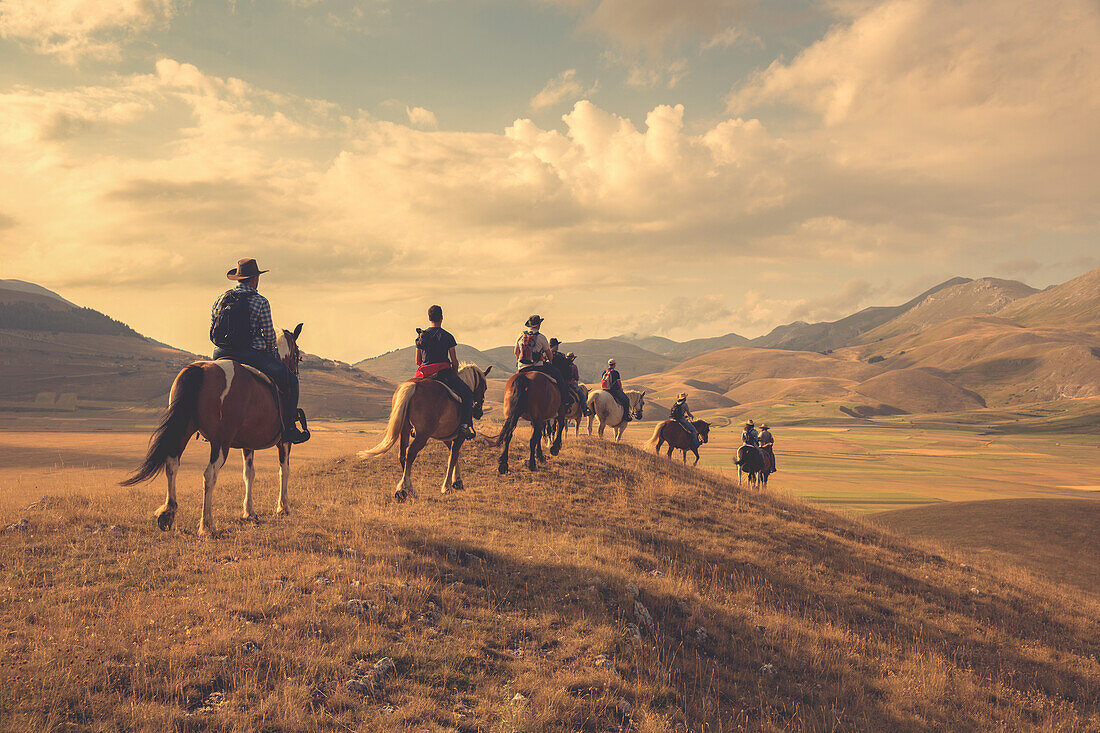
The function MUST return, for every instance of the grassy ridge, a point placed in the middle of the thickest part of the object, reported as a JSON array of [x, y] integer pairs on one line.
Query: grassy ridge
[[765, 615]]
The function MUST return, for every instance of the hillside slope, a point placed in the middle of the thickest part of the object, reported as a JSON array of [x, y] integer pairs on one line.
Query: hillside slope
[[1073, 305], [400, 364], [975, 298], [592, 356], [609, 590]]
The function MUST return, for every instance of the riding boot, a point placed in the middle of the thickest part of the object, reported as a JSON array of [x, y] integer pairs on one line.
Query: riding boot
[[291, 413], [466, 418]]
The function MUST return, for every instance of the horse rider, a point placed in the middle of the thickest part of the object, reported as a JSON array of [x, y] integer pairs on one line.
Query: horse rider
[[574, 379], [767, 443], [532, 353], [436, 359], [750, 437], [241, 318], [566, 368], [613, 383], [683, 417]]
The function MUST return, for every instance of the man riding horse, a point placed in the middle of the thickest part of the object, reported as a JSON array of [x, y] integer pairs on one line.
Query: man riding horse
[[767, 446], [241, 329], [436, 359], [568, 370], [613, 383], [682, 415], [533, 354], [574, 379]]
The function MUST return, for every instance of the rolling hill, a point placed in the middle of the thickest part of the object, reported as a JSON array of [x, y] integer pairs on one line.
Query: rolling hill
[[400, 364], [1073, 305], [610, 591], [58, 356], [592, 356]]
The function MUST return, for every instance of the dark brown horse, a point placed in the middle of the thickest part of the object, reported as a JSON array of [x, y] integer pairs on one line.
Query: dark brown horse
[[751, 461], [232, 406], [532, 397], [673, 433], [423, 409]]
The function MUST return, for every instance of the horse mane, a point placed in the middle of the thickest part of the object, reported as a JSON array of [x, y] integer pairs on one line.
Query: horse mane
[[465, 368]]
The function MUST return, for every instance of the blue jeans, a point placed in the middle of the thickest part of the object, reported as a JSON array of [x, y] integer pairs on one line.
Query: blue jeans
[[686, 425], [269, 364]]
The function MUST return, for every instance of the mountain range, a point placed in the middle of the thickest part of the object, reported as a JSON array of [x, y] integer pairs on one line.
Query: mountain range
[[962, 345]]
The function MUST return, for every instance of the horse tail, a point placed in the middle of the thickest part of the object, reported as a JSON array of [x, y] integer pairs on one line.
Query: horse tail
[[651, 444], [515, 400], [170, 434], [399, 414]]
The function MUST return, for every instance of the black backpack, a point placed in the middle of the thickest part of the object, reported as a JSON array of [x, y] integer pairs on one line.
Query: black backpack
[[232, 326]]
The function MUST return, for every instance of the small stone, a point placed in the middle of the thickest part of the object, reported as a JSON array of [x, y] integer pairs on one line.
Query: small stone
[[21, 526], [701, 634], [359, 607], [624, 707], [655, 573], [975, 592], [641, 613], [768, 669], [605, 662], [519, 699]]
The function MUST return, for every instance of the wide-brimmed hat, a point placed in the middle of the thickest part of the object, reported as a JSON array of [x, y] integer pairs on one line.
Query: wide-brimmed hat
[[534, 321], [554, 342], [765, 427], [570, 356], [682, 396], [611, 362], [245, 269]]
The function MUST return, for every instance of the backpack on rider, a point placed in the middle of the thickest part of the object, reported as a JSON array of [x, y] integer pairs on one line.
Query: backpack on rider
[[231, 328]]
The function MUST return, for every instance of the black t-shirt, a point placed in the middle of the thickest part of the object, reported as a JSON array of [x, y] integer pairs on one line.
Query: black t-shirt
[[436, 345]]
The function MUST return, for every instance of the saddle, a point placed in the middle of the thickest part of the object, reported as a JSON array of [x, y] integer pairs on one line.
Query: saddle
[[450, 392], [264, 379], [533, 369]]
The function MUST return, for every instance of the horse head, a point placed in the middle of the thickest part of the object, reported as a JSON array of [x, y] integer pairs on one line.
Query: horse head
[[476, 380], [289, 353], [637, 402], [704, 430]]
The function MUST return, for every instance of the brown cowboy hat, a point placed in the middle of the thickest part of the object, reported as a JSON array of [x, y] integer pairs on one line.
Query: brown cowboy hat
[[682, 396], [533, 321], [765, 427], [245, 269], [749, 424]]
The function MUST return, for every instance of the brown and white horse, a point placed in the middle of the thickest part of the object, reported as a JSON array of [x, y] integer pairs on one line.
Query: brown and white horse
[[230, 406], [423, 409], [673, 433], [533, 397], [606, 408]]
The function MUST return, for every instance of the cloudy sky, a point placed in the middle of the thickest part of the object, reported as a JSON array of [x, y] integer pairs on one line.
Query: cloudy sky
[[681, 168]]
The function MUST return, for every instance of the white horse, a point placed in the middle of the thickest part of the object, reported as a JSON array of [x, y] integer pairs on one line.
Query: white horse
[[602, 405]]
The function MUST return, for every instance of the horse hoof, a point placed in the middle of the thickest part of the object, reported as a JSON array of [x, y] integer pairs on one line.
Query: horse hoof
[[282, 512], [250, 517], [532, 465], [401, 495], [165, 520], [457, 486], [502, 468], [555, 449]]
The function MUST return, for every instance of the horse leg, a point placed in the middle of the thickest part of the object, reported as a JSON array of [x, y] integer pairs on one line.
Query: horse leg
[[166, 514], [282, 505], [591, 417], [555, 447], [696, 452], [456, 477], [538, 452], [601, 427], [405, 434], [452, 463], [536, 447], [249, 477], [405, 485], [506, 440], [218, 454], [684, 455]]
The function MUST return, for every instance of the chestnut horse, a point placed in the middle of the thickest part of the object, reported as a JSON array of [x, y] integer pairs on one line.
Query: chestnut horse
[[575, 413], [424, 409], [232, 407], [673, 433], [532, 397], [751, 460]]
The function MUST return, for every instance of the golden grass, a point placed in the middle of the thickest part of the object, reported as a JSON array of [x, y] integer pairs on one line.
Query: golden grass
[[766, 614]]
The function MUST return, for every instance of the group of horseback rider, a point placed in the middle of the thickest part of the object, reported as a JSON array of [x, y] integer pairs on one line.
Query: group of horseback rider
[[763, 442], [242, 330]]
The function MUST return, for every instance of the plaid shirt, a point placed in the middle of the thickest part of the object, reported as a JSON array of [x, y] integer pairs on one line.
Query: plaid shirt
[[259, 311]]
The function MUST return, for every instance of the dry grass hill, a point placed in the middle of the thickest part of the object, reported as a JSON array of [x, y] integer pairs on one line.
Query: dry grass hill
[[1058, 539], [610, 591], [1073, 305]]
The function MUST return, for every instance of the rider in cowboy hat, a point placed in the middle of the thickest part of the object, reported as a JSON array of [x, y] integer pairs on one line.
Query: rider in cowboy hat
[[565, 368], [749, 436], [262, 351], [532, 353], [682, 415], [613, 383], [436, 359], [767, 443]]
